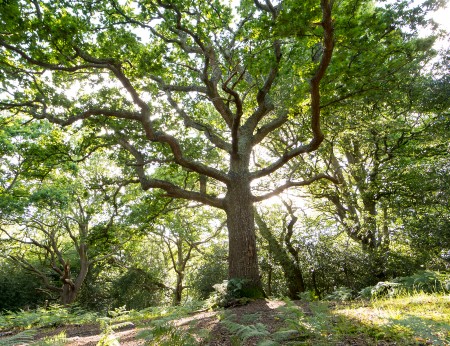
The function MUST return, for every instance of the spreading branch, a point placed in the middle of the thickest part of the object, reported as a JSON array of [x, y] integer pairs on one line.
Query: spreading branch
[[290, 184], [172, 190], [318, 135]]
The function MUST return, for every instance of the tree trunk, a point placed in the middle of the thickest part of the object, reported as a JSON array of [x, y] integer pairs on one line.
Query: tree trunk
[[178, 292], [179, 267], [242, 258], [68, 293], [70, 288], [269, 281], [291, 269]]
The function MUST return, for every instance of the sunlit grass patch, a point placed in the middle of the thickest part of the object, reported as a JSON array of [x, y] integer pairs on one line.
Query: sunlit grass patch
[[408, 318]]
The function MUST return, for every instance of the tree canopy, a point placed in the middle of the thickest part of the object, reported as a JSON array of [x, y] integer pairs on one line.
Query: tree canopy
[[224, 105]]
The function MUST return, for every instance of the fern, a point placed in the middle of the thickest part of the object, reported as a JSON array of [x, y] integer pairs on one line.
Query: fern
[[54, 315], [268, 343], [108, 337], [22, 338], [245, 332], [56, 340], [288, 334], [249, 318], [164, 333]]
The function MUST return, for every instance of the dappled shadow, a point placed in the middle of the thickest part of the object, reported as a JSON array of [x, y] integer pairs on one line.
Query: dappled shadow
[[261, 311], [404, 329], [317, 323], [427, 329]]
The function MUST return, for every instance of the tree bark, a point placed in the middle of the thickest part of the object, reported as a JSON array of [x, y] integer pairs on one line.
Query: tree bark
[[242, 258], [70, 288], [179, 267]]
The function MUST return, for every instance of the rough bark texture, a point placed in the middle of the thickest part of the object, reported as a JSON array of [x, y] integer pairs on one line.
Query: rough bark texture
[[242, 258], [70, 288]]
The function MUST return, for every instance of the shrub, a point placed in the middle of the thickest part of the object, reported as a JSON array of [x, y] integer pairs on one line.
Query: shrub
[[19, 289], [424, 281], [341, 294], [308, 296], [228, 293]]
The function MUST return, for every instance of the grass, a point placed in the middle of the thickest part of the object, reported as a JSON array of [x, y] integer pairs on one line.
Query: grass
[[416, 319], [409, 320]]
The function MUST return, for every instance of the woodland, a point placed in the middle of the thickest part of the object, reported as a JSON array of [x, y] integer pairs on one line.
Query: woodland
[[166, 153]]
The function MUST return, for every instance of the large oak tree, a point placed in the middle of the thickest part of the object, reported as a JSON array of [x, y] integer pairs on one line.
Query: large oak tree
[[198, 87]]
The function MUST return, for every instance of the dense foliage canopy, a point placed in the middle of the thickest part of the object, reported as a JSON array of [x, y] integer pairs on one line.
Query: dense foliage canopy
[[150, 145]]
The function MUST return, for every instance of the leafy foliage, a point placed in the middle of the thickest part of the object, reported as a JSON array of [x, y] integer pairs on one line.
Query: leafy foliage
[[341, 294], [244, 332], [54, 315], [57, 340], [19, 288], [424, 281], [164, 332], [23, 338], [229, 293]]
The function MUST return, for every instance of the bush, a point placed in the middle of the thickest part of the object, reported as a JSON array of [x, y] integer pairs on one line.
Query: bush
[[19, 288], [424, 281], [228, 293], [308, 296], [341, 294], [213, 269]]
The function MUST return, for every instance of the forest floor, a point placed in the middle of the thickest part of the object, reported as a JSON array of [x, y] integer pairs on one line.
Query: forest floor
[[415, 320]]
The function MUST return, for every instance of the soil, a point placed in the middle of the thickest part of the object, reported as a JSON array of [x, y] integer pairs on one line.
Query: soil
[[260, 311], [265, 311]]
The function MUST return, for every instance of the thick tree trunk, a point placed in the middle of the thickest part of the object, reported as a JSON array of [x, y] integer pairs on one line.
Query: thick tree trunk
[[68, 293], [70, 288], [242, 258]]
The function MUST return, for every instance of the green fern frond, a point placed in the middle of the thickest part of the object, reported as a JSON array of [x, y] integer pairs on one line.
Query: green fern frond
[[121, 325], [22, 338], [245, 332], [249, 318], [283, 335], [268, 343]]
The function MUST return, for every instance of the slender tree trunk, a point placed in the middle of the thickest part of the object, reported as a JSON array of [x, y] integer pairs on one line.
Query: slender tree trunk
[[269, 281], [314, 282], [178, 292], [179, 269], [242, 258], [291, 268]]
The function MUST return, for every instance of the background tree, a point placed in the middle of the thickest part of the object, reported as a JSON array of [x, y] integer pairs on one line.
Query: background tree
[[283, 252], [61, 223]]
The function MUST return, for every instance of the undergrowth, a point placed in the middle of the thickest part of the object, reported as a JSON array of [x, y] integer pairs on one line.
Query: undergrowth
[[53, 316], [409, 319]]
